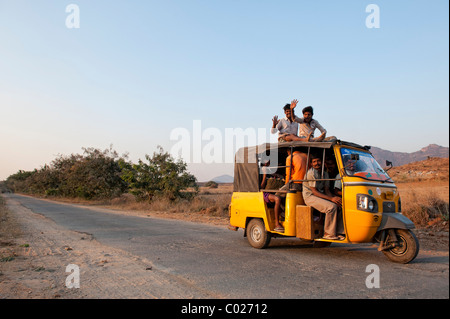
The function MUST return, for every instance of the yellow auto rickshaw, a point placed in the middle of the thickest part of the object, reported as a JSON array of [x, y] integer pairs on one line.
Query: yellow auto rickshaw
[[371, 205]]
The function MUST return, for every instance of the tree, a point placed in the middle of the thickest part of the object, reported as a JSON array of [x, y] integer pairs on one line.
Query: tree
[[212, 184], [98, 174], [94, 175], [161, 175], [18, 182]]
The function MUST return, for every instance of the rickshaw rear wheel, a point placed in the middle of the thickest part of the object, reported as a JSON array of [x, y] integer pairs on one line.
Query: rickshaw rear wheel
[[257, 235], [407, 248]]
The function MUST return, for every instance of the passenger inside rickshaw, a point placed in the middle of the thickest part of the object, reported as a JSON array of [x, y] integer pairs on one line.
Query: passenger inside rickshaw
[[318, 192], [278, 177], [333, 172], [272, 180]]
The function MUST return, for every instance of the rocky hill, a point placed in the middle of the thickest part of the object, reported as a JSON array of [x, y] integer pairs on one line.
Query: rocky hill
[[401, 158], [434, 168]]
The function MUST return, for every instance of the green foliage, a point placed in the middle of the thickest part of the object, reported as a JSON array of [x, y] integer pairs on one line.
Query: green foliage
[[104, 174], [160, 175], [212, 184], [94, 175]]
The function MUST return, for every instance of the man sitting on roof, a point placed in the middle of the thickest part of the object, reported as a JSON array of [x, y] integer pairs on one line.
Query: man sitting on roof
[[287, 128], [307, 124]]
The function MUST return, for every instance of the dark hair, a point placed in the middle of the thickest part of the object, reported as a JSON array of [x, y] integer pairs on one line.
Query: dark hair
[[308, 109], [314, 156], [287, 107]]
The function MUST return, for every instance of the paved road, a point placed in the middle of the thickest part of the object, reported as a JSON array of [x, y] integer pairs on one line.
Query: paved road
[[221, 261]]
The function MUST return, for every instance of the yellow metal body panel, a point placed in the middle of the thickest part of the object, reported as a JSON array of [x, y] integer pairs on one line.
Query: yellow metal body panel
[[246, 205], [361, 226], [292, 200]]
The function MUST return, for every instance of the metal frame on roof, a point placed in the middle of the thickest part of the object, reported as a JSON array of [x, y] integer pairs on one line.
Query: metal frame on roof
[[246, 169]]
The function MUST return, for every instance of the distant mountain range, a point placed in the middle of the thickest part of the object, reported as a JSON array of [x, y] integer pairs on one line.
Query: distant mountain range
[[223, 179], [397, 158], [401, 158]]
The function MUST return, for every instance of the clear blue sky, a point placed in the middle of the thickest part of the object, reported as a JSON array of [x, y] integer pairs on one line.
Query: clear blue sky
[[135, 70]]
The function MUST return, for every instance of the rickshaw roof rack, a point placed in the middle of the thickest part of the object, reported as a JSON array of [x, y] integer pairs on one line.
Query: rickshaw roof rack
[[327, 144], [273, 146], [366, 147]]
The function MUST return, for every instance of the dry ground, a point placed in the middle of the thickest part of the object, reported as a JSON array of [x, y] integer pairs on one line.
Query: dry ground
[[35, 251]]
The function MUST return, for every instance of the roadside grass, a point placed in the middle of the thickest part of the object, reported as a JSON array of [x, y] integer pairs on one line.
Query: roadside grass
[[426, 203], [211, 204], [9, 232], [425, 209], [9, 228]]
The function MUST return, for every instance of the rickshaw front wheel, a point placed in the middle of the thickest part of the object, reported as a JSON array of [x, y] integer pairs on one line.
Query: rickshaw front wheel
[[406, 249], [257, 235]]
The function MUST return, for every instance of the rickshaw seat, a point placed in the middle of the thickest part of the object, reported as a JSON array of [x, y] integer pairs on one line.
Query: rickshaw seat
[[308, 227]]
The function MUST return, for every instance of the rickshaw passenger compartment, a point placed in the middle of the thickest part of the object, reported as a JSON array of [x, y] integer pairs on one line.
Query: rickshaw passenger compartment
[[290, 200]]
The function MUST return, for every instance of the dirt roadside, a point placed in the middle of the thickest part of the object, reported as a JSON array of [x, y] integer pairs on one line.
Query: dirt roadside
[[35, 251]]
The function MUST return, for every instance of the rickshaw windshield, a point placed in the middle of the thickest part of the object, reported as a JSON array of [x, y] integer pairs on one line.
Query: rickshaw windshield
[[362, 164]]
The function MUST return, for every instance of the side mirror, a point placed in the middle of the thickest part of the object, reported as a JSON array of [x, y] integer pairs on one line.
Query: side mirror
[[388, 164]]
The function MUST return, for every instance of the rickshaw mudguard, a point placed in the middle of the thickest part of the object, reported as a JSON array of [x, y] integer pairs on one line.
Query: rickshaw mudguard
[[396, 221]]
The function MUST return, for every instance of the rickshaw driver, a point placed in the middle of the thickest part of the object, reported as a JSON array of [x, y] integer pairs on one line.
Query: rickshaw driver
[[349, 165], [336, 186], [317, 194]]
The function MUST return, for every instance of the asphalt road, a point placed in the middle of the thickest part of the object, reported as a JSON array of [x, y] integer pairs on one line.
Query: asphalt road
[[222, 262]]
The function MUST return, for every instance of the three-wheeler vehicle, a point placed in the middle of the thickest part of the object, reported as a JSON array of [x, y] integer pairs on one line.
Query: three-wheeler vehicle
[[371, 205]]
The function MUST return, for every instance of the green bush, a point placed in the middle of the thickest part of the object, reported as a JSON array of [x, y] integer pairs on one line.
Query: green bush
[[94, 175], [97, 174], [160, 176], [212, 184]]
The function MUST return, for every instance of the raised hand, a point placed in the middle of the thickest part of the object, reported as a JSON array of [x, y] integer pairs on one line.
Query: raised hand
[[294, 104], [275, 120]]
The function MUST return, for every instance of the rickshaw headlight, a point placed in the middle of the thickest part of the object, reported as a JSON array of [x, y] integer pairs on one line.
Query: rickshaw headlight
[[366, 203]]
